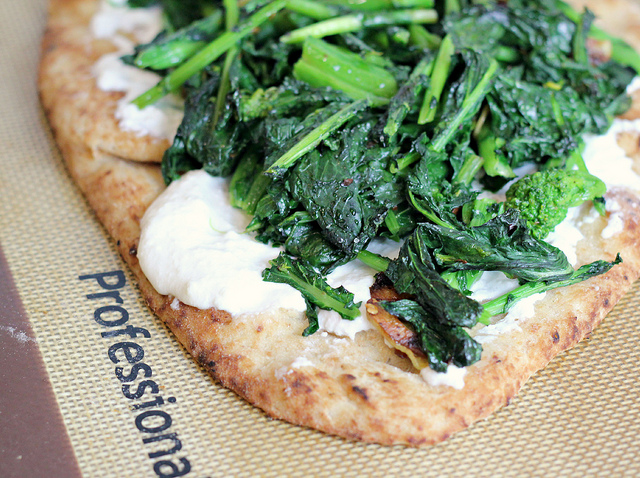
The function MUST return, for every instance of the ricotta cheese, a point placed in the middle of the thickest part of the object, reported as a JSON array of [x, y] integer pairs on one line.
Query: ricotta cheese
[[608, 161], [567, 234], [161, 119], [357, 278], [115, 17], [492, 284], [193, 246], [522, 310], [453, 377], [615, 224]]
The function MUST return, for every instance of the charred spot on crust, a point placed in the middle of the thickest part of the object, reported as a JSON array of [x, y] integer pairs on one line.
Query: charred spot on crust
[[362, 392], [202, 357], [348, 376], [299, 385], [259, 329], [220, 316], [555, 336], [210, 366], [133, 250], [576, 334], [421, 441]]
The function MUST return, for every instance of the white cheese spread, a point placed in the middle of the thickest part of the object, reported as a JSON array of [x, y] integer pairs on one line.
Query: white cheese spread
[[616, 220], [492, 284], [567, 234], [359, 279], [606, 160], [193, 246], [453, 377], [523, 309], [115, 17], [161, 119]]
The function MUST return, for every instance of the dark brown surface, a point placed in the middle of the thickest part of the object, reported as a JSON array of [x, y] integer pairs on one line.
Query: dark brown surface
[[33, 438]]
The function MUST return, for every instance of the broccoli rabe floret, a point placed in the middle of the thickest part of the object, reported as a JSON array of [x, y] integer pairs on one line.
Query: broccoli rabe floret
[[544, 198]]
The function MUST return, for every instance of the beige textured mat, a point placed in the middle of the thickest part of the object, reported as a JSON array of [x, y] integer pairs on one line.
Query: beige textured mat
[[580, 416]]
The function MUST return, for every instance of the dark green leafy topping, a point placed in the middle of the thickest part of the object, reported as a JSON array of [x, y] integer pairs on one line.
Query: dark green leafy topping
[[443, 345], [414, 272], [312, 286], [171, 49], [501, 244], [341, 122]]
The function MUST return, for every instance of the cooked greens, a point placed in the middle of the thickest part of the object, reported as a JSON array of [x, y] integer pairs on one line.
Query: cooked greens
[[340, 122]]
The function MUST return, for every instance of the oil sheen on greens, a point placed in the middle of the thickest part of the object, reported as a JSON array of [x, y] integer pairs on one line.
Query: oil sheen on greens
[[340, 122]]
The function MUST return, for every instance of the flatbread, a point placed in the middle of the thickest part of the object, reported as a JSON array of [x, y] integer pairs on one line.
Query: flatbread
[[360, 389]]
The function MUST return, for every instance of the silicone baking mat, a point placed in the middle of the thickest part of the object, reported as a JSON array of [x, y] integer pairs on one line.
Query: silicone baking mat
[[578, 417]]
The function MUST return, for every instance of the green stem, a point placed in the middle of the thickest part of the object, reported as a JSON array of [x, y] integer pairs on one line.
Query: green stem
[[208, 54], [422, 38], [576, 161], [323, 64], [356, 22], [471, 102], [391, 221], [399, 109], [405, 162], [375, 261], [439, 77], [232, 13], [179, 46], [376, 5], [413, 3], [579, 47], [451, 6], [502, 304], [493, 164], [506, 54], [311, 9], [312, 139], [470, 168]]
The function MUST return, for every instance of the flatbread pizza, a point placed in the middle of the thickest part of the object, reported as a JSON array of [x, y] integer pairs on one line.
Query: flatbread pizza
[[379, 377]]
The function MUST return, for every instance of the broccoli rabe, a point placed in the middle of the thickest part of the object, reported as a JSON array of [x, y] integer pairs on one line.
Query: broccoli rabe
[[544, 198]]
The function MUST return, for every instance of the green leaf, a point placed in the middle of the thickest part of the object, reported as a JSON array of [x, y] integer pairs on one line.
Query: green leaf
[[312, 286]]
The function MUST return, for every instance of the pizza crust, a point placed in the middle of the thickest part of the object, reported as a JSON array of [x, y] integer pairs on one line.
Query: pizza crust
[[361, 389], [69, 91]]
